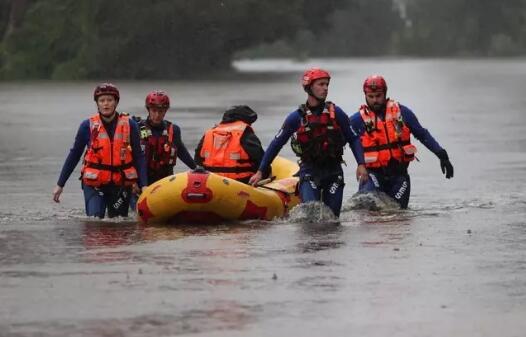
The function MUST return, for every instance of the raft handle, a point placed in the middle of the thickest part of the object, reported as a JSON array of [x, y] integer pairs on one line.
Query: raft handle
[[194, 196]]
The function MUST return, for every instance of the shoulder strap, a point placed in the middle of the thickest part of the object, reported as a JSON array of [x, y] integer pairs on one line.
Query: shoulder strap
[[393, 108], [369, 121], [95, 124], [302, 110], [144, 128], [123, 116], [365, 113], [123, 123], [170, 129], [332, 110]]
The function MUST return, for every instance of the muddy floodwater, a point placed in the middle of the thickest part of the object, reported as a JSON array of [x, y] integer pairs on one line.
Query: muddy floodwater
[[453, 264]]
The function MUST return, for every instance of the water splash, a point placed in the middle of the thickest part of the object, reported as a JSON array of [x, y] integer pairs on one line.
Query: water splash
[[378, 207], [372, 201], [312, 212], [382, 207], [130, 219], [39, 216]]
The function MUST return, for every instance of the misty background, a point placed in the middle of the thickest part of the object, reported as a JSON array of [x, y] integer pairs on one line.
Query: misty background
[[170, 39]]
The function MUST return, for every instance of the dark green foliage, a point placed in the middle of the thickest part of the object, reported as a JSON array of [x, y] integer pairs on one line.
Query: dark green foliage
[[467, 27], [408, 27], [74, 39], [363, 28], [353, 28], [140, 39], [4, 16]]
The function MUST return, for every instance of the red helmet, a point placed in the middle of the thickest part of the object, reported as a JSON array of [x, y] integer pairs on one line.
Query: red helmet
[[106, 89], [313, 74], [374, 83], [157, 99]]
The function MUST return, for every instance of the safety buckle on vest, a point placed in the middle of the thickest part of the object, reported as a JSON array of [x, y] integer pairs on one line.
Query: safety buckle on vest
[[398, 124], [369, 126], [409, 149]]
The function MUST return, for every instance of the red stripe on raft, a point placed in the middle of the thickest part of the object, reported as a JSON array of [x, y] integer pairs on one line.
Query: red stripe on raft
[[144, 211], [285, 200], [253, 211], [196, 190]]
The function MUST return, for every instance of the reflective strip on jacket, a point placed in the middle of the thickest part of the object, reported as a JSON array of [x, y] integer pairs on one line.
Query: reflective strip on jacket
[[107, 161], [223, 153], [383, 140]]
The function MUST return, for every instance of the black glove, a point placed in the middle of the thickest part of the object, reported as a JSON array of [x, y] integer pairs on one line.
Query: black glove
[[445, 164], [199, 169]]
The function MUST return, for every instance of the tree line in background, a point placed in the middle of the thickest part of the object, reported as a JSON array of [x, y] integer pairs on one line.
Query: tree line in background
[[76, 39]]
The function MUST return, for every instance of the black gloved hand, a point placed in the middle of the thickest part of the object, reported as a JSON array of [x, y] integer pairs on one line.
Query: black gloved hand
[[445, 164], [199, 169]]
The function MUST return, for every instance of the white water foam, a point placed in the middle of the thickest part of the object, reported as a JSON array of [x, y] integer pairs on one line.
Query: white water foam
[[312, 212]]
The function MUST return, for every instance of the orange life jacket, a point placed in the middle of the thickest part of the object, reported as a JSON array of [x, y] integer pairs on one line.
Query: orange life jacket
[[319, 138], [386, 139], [223, 154], [109, 161]]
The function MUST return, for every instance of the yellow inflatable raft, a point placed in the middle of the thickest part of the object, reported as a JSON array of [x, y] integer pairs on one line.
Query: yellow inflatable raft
[[204, 197]]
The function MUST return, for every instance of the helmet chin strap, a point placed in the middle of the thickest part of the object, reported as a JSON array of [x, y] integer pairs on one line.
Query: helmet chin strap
[[310, 93]]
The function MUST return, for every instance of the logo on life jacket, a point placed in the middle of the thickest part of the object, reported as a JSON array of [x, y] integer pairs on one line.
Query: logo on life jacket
[[109, 161], [386, 139], [319, 139], [223, 153]]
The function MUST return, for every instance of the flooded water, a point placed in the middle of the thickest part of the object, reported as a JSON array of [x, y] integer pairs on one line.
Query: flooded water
[[453, 264]]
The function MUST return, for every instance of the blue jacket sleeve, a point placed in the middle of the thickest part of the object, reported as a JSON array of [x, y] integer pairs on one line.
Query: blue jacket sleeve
[[418, 131], [182, 151], [291, 124], [139, 162], [81, 140], [350, 136], [357, 124]]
